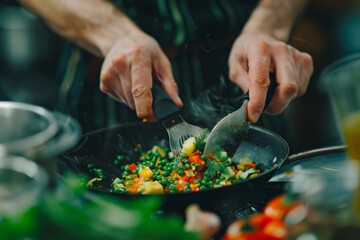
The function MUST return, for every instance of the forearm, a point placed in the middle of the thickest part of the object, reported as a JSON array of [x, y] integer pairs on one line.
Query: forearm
[[92, 24], [275, 17]]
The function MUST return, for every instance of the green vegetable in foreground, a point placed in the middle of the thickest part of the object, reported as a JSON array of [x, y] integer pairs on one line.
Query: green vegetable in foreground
[[72, 213]]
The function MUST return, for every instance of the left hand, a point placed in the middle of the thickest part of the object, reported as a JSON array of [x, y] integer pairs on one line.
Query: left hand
[[253, 56]]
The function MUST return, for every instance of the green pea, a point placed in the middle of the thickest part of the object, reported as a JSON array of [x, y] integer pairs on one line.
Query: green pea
[[202, 188], [166, 173], [181, 168]]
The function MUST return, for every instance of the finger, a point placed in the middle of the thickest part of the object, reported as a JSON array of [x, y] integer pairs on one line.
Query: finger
[[287, 78], [123, 70], [238, 74], [108, 80], [164, 73], [305, 74], [141, 76], [259, 68]]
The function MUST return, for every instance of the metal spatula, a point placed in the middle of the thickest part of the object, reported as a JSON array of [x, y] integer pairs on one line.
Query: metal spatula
[[166, 111], [230, 130]]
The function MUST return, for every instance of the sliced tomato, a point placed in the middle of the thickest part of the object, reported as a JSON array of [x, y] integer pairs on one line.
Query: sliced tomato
[[275, 230], [259, 219], [279, 206], [242, 229]]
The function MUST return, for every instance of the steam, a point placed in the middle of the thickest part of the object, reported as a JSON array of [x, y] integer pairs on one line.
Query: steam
[[213, 104]]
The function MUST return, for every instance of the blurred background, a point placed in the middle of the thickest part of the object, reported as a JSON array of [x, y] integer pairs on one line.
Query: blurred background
[[328, 30]]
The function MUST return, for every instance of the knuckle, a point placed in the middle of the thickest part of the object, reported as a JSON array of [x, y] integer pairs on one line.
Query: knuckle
[[282, 46], [308, 62], [139, 90], [291, 88], [263, 45], [105, 77], [119, 59], [262, 80], [232, 75], [302, 90], [104, 88], [173, 85], [260, 47], [138, 50]]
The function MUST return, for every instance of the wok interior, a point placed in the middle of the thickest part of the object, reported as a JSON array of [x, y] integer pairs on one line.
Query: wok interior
[[102, 147]]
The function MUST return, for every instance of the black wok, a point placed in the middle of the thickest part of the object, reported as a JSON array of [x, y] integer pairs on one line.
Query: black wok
[[102, 147]]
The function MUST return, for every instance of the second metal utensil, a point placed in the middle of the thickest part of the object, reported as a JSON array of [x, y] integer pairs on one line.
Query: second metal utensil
[[167, 112], [230, 130]]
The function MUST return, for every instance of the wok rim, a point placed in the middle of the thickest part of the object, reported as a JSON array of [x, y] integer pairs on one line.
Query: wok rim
[[260, 178]]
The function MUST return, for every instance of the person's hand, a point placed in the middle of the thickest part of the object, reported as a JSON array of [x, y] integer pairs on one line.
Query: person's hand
[[128, 70], [251, 59]]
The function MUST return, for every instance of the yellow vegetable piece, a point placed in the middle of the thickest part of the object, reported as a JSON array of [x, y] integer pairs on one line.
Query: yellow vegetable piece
[[159, 150], [189, 146], [152, 187], [245, 160], [146, 172]]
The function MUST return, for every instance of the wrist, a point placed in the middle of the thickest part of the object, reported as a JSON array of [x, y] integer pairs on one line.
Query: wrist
[[275, 18], [106, 34]]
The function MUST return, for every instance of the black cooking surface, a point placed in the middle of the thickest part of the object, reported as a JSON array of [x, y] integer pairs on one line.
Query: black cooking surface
[[102, 147]]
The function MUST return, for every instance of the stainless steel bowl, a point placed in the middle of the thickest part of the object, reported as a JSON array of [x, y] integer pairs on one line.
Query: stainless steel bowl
[[22, 183], [36, 133], [23, 127]]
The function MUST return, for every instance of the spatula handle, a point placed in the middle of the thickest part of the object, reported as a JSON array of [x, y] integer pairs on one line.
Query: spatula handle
[[270, 91], [163, 106]]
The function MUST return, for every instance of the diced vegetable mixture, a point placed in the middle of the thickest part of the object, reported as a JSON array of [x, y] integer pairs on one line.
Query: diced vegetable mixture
[[159, 171]]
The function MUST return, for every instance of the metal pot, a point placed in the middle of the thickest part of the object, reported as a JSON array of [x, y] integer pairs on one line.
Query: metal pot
[[36, 133]]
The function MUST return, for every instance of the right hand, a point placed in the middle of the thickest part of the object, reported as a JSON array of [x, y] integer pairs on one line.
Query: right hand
[[128, 70]]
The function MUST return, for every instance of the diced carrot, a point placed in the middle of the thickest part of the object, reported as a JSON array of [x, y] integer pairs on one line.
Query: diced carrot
[[180, 184], [132, 167], [195, 158], [250, 165], [133, 189], [194, 187]]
